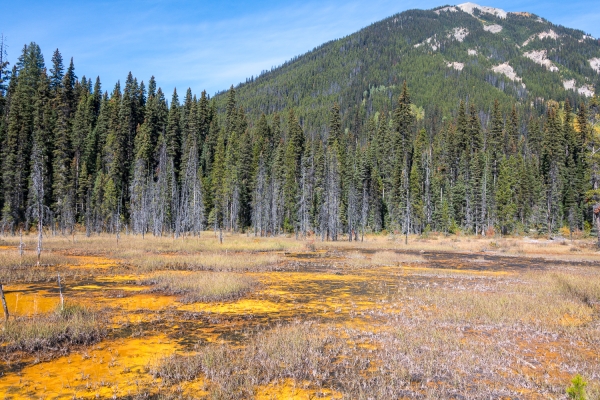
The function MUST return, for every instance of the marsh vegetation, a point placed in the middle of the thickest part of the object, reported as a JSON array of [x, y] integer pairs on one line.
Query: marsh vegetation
[[441, 317]]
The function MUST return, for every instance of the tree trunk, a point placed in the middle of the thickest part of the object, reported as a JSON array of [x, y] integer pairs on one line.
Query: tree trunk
[[39, 245], [62, 299], [407, 213], [597, 216], [6, 315]]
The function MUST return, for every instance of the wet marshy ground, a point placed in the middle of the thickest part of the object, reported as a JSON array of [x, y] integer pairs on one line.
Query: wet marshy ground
[[418, 315]]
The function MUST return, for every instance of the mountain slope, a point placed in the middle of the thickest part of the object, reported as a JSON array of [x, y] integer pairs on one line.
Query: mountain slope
[[467, 52]]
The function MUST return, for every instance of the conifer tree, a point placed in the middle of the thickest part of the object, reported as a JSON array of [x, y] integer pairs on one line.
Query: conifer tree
[[293, 159], [511, 137], [552, 162], [173, 130], [130, 157], [56, 72], [505, 201], [38, 196], [404, 120], [218, 183], [16, 149]]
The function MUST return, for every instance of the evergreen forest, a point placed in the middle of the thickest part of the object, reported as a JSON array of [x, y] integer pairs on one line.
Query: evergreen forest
[[302, 153]]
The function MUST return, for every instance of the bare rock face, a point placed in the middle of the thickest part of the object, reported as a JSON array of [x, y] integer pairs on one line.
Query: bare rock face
[[507, 70], [595, 64], [472, 52], [542, 35], [539, 57], [446, 9], [469, 8], [585, 90], [456, 65], [432, 41], [493, 28], [459, 34], [569, 85]]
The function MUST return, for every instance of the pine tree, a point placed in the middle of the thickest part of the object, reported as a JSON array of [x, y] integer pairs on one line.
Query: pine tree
[[218, 183], [190, 215], [16, 149], [38, 194], [56, 72], [114, 161], [511, 137], [552, 162], [4, 71], [82, 135], [319, 189], [140, 188], [128, 120], [293, 158], [404, 121], [173, 131], [505, 201], [495, 139]]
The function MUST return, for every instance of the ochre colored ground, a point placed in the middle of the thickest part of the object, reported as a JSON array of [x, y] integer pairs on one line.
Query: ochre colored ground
[[147, 325]]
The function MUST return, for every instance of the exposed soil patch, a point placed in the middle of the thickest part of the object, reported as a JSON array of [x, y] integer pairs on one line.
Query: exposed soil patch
[[378, 320]]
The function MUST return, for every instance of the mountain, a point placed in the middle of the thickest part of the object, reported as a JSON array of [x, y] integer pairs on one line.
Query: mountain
[[447, 54], [458, 119]]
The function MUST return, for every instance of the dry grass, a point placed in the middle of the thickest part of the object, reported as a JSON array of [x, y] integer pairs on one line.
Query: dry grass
[[201, 286], [548, 300], [300, 351], [403, 331], [559, 249], [393, 258], [580, 287], [11, 259], [107, 245], [222, 261], [380, 258], [479, 336], [73, 325], [533, 330], [14, 268], [404, 361]]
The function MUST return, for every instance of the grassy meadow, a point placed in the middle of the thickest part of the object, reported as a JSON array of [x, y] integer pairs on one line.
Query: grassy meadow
[[267, 318]]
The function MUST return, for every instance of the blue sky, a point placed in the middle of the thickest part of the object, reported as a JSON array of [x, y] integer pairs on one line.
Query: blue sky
[[211, 45]]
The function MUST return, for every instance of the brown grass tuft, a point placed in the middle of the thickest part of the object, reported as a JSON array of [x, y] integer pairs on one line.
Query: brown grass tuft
[[73, 325], [201, 286]]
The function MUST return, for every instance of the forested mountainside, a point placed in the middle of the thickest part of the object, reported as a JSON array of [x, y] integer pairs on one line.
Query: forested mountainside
[[445, 55], [429, 120]]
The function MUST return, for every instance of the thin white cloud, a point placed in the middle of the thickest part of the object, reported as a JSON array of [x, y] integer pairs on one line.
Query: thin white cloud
[[209, 45]]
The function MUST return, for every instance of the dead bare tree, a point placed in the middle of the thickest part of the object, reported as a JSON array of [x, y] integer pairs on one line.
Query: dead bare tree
[[353, 207], [276, 195], [190, 213], [6, 315], [37, 210], [139, 198], [332, 196], [164, 194], [258, 199], [306, 190]]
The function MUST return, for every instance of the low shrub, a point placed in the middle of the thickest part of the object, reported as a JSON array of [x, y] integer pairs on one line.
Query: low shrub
[[71, 325], [201, 286]]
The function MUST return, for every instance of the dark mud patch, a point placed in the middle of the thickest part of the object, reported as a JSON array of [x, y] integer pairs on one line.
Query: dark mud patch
[[471, 261]]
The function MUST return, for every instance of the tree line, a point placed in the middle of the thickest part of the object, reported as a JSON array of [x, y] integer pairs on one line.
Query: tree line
[[75, 155]]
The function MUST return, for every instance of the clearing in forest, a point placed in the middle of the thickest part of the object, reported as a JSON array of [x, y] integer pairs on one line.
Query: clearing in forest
[[284, 318]]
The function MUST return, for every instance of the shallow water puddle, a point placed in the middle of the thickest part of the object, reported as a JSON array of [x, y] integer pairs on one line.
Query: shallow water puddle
[[28, 300], [95, 262], [138, 302], [147, 325]]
